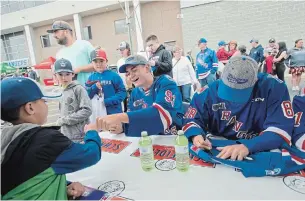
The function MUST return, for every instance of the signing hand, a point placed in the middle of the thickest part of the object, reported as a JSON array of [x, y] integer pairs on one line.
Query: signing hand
[[75, 189], [234, 152], [199, 141]]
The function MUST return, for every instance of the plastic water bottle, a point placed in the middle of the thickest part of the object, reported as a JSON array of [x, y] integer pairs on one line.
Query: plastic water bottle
[[146, 152], [182, 152]]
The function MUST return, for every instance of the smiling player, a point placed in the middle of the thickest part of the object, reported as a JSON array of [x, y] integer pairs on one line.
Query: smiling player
[[155, 105], [254, 110]]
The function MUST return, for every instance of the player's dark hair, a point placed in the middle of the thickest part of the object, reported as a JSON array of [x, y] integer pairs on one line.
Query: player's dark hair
[[295, 43], [152, 37], [10, 115]]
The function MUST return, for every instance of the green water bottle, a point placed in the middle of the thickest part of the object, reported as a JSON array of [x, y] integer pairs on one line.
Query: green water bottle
[[182, 152], [146, 152]]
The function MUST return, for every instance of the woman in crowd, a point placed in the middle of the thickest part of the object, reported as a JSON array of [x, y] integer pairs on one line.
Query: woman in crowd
[[232, 47], [296, 63], [279, 60], [184, 74]]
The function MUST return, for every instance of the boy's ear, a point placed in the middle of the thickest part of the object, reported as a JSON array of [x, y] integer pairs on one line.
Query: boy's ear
[[28, 108]]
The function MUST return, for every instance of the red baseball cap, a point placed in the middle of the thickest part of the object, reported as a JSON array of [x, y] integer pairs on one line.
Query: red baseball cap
[[98, 54]]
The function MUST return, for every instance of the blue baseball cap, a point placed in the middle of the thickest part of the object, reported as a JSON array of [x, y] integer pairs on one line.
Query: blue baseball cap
[[18, 91], [222, 43], [238, 79], [202, 40], [254, 40], [133, 61]]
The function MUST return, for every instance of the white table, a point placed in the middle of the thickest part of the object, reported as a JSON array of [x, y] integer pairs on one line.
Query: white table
[[220, 182]]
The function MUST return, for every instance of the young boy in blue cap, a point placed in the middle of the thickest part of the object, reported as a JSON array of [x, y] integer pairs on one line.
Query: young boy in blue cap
[[75, 105], [254, 110], [35, 159]]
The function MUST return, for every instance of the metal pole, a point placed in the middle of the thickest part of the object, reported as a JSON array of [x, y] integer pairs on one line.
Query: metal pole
[[128, 24]]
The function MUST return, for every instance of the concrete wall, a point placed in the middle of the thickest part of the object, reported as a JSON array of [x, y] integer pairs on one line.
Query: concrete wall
[[242, 20], [158, 17]]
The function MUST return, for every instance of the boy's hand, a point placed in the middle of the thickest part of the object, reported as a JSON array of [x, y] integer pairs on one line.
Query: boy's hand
[[75, 189], [234, 152], [199, 141], [98, 85], [109, 122], [89, 127]]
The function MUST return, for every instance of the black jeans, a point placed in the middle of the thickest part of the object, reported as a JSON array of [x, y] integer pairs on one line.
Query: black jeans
[[280, 70]]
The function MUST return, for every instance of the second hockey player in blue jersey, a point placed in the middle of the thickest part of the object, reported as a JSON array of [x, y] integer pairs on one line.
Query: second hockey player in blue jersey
[[254, 110], [155, 105], [298, 138]]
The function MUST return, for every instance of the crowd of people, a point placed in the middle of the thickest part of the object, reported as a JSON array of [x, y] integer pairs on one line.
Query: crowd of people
[[252, 110]]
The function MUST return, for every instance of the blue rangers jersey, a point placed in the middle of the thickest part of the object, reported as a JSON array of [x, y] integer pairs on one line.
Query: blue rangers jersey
[[298, 138], [157, 110], [259, 164], [206, 63], [263, 123], [112, 87]]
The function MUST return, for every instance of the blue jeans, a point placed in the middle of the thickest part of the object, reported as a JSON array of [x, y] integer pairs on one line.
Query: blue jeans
[[185, 91], [208, 80]]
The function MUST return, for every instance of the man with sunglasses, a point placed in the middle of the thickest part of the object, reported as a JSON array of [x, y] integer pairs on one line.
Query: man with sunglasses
[[76, 51], [155, 104]]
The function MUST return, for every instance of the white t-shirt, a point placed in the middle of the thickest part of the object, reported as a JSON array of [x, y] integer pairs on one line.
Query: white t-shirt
[[79, 55], [120, 62], [183, 71]]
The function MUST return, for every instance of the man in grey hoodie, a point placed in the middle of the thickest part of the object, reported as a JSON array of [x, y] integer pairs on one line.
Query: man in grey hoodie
[[75, 105]]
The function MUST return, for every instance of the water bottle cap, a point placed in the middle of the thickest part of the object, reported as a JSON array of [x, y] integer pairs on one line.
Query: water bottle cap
[[180, 132], [144, 133]]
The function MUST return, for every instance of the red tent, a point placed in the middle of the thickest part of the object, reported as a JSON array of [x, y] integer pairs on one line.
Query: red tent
[[46, 64]]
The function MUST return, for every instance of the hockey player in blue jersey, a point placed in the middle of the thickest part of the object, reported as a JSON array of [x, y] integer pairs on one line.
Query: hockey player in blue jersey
[[206, 63], [298, 138], [155, 105], [253, 110], [107, 82]]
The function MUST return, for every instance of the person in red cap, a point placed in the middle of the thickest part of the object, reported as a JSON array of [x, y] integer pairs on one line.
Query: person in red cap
[[104, 86]]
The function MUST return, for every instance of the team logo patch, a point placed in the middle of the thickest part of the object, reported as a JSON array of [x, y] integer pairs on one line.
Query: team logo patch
[[114, 146], [295, 183], [166, 165], [236, 80], [218, 106], [273, 172], [62, 63], [162, 152], [169, 97]]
